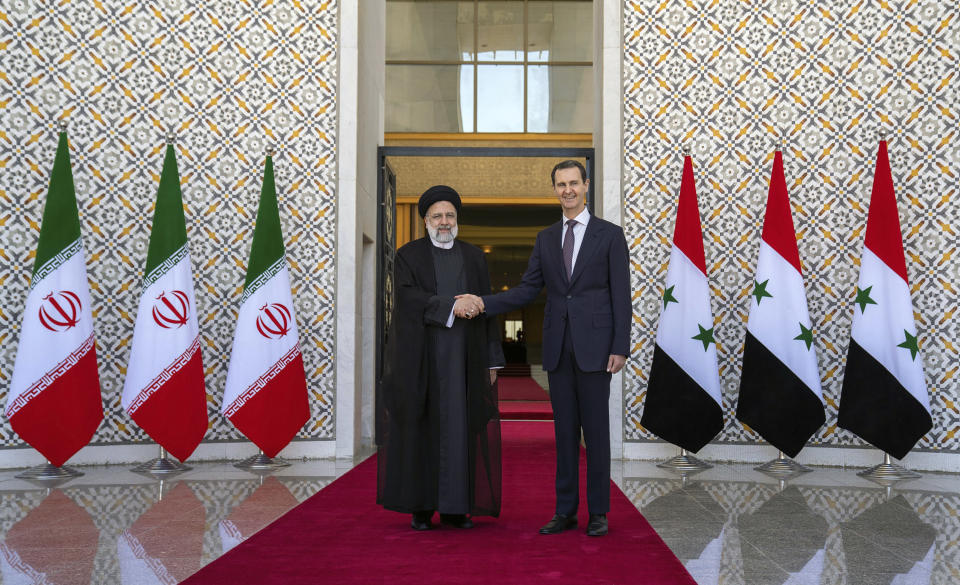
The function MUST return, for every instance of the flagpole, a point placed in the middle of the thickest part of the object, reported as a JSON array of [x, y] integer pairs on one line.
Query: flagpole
[[48, 474], [888, 472], [261, 462], [782, 466], [684, 463], [161, 465]]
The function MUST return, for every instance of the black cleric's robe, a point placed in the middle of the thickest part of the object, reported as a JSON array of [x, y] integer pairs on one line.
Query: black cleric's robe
[[438, 423]]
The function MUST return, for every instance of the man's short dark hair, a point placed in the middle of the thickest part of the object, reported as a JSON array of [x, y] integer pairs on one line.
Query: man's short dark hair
[[568, 164]]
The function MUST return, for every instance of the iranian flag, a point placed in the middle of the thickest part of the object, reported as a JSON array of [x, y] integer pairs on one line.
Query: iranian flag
[[164, 391], [884, 398], [683, 393], [165, 545], [780, 394], [266, 392], [54, 398], [254, 513]]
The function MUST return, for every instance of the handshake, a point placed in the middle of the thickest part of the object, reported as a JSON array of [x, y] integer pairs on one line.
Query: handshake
[[467, 306]]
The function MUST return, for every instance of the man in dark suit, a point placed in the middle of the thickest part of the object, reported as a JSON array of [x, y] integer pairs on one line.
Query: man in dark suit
[[583, 263]]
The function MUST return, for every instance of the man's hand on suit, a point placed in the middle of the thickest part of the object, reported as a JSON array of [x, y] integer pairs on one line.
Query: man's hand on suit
[[615, 363]]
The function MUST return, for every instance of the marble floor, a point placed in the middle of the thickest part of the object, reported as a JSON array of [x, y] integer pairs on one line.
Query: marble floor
[[728, 525], [733, 525]]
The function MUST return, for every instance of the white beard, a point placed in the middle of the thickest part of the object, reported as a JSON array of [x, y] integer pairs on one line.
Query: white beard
[[442, 237]]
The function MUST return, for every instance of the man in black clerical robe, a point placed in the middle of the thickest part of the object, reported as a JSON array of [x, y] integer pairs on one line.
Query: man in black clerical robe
[[437, 414]]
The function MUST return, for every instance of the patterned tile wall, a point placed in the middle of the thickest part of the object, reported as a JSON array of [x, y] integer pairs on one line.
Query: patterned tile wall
[[229, 77], [727, 78]]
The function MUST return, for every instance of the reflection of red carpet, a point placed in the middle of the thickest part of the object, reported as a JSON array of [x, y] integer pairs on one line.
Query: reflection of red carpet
[[341, 536], [523, 399]]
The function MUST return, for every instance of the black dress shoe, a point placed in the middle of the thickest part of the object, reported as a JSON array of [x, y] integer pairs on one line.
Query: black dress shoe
[[421, 521], [597, 525], [558, 524], [456, 520]]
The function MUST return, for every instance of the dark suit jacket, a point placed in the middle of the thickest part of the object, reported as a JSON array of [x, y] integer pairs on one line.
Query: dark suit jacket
[[595, 302]]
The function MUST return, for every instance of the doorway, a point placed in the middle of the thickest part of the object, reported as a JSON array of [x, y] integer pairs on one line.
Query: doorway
[[507, 200]]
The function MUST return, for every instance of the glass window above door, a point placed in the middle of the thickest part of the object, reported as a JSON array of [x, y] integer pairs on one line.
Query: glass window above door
[[489, 66]]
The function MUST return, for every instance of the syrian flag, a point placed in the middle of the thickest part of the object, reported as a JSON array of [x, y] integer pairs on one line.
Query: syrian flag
[[780, 395], [884, 398], [266, 393], [683, 394], [164, 391], [54, 398]]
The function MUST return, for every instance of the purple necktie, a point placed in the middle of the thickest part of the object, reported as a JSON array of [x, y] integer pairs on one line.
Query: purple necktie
[[568, 248]]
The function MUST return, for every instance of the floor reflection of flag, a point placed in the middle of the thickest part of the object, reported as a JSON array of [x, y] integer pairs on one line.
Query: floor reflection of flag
[[919, 573], [165, 544], [63, 555], [794, 549], [884, 527], [811, 573], [705, 569], [687, 519], [270, 501]]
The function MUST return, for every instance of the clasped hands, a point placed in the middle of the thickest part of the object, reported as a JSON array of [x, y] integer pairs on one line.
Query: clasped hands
[[467, 306]]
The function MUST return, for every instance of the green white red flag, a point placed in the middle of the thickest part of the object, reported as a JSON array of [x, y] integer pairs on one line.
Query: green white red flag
[[164, 392], [266, 391], [54, 397]]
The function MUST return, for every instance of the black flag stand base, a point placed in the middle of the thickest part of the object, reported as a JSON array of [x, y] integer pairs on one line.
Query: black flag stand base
[[782, 466], [260, 463], [888, 472], [161, 465], [684, 463], [49, 475]]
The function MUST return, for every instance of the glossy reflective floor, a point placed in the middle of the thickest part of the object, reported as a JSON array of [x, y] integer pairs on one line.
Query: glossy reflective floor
[[114, 526], [728, 525], [733, 525]]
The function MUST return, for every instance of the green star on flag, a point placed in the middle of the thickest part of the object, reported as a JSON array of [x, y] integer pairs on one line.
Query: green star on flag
[[668, 297], [910, 343], [705, 336], [806, 335], [760, 290], [863, 298]]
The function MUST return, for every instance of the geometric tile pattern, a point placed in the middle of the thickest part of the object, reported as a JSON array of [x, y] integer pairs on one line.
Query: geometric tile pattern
[[836, 505], [727, 79], [229, 78]]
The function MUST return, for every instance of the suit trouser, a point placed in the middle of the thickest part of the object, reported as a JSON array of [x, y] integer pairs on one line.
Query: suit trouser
[[580, 400]]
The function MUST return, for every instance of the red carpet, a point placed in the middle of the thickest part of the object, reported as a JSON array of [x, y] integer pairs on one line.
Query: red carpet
[[340, 535], [523, 399], [525, 410], [525, 388]]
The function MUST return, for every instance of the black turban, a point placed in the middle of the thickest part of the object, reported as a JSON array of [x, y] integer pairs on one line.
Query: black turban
[[438, 193]]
